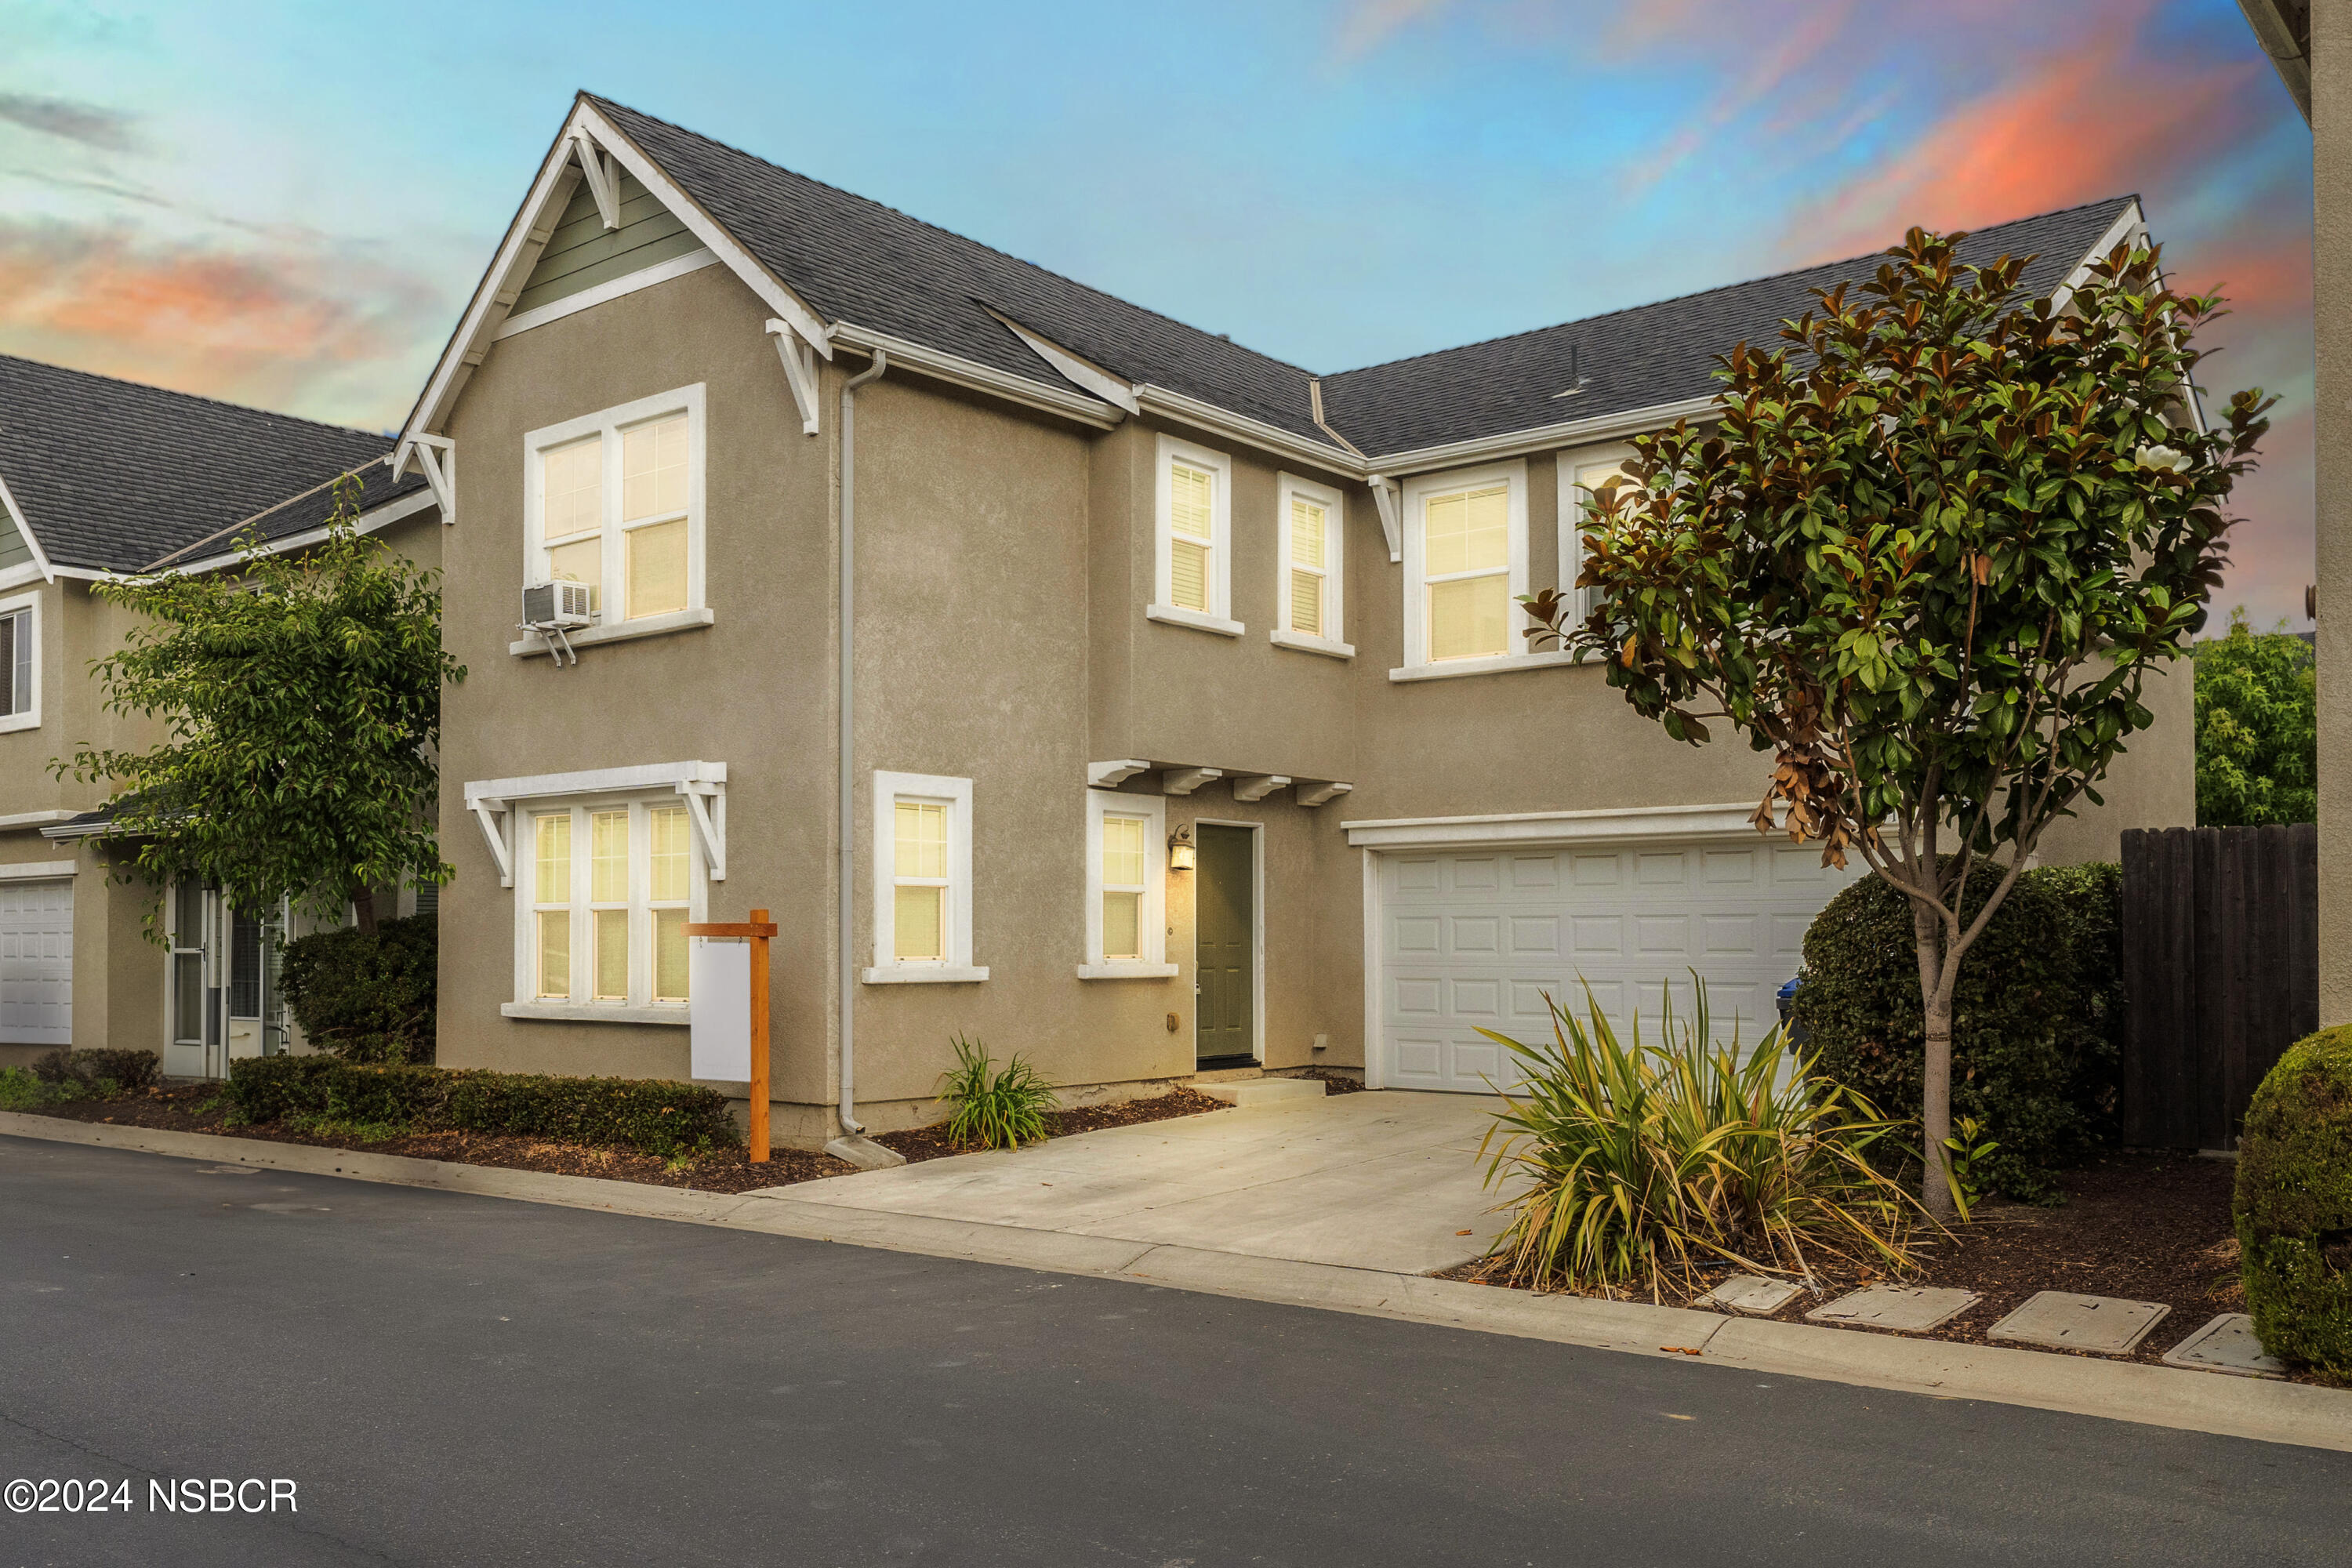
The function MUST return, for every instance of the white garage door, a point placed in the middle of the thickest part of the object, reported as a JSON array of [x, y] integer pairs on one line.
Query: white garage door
[[36, 963], [1474, 940]]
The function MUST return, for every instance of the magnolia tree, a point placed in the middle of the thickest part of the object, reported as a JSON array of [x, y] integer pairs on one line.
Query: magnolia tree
[[300, 705], [1928, 558]]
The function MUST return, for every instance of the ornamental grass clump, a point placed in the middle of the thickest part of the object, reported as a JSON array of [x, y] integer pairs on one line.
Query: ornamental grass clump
[[994, 1109], [1644, 1164]]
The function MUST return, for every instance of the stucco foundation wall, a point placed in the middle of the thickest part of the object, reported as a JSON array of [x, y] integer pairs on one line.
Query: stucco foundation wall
[[752, 690]]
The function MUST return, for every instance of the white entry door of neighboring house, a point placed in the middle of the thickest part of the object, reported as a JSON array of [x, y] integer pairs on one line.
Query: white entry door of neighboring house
[[37, 962], [1475, 939]]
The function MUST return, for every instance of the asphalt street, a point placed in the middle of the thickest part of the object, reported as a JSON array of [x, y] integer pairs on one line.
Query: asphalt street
[[447, 1379]]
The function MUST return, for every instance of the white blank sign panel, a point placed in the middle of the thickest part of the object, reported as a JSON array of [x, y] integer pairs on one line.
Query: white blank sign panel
[[720, 981]]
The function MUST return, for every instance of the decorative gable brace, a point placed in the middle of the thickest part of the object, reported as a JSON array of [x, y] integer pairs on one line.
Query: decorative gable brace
[[602, 184], [1385, 497], [799, 354], [702, 785], [436, 458]]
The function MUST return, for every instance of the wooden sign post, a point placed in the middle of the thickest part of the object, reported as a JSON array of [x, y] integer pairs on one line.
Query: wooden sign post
[[758, 929]]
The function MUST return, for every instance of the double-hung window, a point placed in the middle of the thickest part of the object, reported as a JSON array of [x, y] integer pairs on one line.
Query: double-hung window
[[608, 890], [1466, 559], [922, 879], [1193, 538], [1583, 477], [1310, 537], [1127, 864], [614, 500], [20, 662]]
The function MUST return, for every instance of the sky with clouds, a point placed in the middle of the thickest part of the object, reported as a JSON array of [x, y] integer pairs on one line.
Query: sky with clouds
[[287, 203]]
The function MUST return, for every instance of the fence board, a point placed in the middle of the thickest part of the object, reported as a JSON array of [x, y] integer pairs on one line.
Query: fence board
[[2220, 973]]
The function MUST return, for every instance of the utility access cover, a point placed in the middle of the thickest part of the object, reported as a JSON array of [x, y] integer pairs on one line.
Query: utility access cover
[[1912, 1308], [2226, 1344], [2069, 1323], [1751, 1293]]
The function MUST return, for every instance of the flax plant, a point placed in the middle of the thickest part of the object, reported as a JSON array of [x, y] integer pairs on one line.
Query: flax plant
[[994, 1109], [1641, 1163]]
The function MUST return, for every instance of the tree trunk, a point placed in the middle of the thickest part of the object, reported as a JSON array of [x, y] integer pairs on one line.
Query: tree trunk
[[363, 909], [1935, 1112]]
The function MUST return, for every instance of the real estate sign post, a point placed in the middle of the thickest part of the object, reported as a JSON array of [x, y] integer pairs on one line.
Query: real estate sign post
[[755, 933]]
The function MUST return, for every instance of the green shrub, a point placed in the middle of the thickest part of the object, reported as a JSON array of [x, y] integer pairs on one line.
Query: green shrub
[[20, 1090], [652, 1115], [2037, 1017], [1642, 1163], [994, 1109], [2293, 1206], [85, 1071], [366, 998]]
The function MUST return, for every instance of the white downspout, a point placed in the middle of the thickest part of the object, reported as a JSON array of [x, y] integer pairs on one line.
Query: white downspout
[[847, 806]]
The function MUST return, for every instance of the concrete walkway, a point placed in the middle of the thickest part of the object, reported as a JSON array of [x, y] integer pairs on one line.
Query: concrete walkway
[[1378, 1180]]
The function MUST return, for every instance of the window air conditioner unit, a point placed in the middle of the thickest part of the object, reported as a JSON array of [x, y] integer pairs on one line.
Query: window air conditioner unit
[[548, 606]]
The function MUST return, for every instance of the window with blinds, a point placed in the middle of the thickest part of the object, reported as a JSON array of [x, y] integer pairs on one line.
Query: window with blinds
[[919, 883], [1191, 500], [611, 890], [1466, 573], [617, 506], [1124, 873], [16, 688], [1590, 480]]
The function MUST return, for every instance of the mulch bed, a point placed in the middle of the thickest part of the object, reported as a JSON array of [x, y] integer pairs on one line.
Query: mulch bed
[[190, 1108], [1333, 1080], [930, 1142], [2142, 1225]]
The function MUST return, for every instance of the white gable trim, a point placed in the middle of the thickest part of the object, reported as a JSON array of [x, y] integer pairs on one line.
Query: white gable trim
[[612, 289], [1077, 372], [532, 227], [32, 541]]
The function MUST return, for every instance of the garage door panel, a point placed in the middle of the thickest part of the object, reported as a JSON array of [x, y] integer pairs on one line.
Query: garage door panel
[[1625, 925], [37, 962]]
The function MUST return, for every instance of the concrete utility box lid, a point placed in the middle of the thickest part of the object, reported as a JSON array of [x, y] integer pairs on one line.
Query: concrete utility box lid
[[1912, 1308], [2072, 1322], [2226, 1344], [1751, 1293]]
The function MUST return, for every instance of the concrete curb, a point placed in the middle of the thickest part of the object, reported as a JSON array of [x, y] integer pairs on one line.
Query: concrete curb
[[2112, 1390]]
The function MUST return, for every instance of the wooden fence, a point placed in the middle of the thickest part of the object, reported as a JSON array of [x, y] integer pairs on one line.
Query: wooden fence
[[2220, 957]]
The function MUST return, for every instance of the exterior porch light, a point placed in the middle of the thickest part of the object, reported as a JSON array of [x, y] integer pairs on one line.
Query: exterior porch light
[[1179, 849]]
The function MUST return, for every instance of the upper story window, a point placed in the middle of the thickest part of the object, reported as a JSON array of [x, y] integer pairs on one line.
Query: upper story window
[[1310, 591], [604, 899], [1582, 476], [1193, 538], [1466, 560], [20, 662], [922, 879], [1126, 868], [615, 501]]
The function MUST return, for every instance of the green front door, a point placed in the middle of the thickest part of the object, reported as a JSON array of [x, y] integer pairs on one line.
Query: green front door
[[1226, 951]]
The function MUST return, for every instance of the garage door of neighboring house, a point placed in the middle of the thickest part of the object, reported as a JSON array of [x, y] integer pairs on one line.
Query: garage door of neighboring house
[[1473, 938], [37, 962]]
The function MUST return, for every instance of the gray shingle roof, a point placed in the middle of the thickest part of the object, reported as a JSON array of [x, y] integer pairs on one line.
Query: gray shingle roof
[[1639, 357], [856, 260], [111, 475]]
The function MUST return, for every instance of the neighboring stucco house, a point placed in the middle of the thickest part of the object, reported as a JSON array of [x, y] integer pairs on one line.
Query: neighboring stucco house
[[1183, 719], [100, 478]]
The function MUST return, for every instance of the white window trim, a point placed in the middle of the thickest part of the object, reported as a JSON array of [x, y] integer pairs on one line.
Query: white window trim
[[703, 784], [1418, 489], [889, 969], [1153, 918], [608, 424], [1333, 641], [581, 1007], [1218, 617], [30, 719], [1571, 511]]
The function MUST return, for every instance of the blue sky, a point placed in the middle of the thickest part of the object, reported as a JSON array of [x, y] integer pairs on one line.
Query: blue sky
[[287, 203]]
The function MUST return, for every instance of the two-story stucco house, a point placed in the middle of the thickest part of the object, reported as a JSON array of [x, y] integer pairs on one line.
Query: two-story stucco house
[[1056, 673], [100, 478]]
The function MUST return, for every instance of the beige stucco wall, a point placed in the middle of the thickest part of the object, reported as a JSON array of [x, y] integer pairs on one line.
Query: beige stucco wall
[[2331, 148]]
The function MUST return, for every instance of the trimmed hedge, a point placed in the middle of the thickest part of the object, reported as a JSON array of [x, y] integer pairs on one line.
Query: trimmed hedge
[[2293, 1206], [2037, 1017], [653, 1115], [367, 998], [86, 1070]]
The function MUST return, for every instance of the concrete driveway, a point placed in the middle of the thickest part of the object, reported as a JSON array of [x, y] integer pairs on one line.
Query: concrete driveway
[[1375, 1180]]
